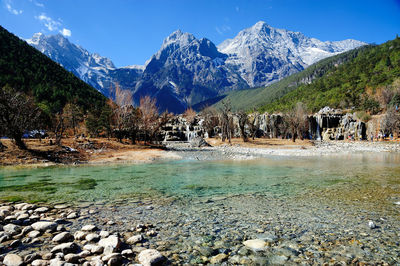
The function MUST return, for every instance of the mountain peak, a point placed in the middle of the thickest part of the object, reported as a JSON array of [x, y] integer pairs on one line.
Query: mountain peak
[[178, 37], [35, 38], [259, 25]]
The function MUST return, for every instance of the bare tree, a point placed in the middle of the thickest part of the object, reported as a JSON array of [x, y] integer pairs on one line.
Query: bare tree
[[18, 113], [243, 121], [226, 121], [124, 115], [149, 115], [73, 116], [297, 121], [211, 120], [190, 115], [254, 124], [58, 123], [386, 96], [390, 123]]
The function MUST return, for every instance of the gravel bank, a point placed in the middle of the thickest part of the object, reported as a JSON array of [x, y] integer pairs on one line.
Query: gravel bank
[[236, 152]]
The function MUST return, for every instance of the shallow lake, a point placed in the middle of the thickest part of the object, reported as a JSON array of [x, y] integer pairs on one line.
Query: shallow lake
[[274, 176]]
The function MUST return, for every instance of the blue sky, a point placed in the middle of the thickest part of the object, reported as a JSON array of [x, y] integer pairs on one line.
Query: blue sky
[[131, 31]]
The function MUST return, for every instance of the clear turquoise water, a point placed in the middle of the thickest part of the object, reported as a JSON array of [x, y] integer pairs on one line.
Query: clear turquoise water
[[274, 176]]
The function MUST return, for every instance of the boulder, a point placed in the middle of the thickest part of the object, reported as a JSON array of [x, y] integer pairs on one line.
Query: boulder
[[93, 237], [12, 229], [79, 235], [111, 243], [13, 260], [65, 248], [150, 257], [89, 227], [62, 237], [134, 239], [44, 226]]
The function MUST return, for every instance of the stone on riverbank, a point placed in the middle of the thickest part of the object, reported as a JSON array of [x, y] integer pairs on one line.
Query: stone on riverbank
[[218, 259], [13, 260], [12, 229], [62, 237], [150, 257], [89, 228], [110, 244], [255, 244], [44, 226], [134, 239], [65, 248]]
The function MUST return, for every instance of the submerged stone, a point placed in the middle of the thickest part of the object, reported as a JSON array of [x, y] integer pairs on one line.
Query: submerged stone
[[255, 244]]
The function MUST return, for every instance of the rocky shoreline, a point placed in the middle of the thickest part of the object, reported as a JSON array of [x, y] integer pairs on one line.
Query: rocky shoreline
[[231, 230], [319, 148], [42, 235]]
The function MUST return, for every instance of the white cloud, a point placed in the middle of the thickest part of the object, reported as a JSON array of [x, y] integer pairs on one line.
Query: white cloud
[[221, 30], [48, 22], [66, 32], [11, 9], [39, 4]]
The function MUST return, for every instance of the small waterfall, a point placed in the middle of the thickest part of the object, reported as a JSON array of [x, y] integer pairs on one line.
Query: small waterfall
[[190, 135], [319, 121]]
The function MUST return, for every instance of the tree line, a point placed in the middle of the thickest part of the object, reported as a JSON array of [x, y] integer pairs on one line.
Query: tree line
[[120, 118]]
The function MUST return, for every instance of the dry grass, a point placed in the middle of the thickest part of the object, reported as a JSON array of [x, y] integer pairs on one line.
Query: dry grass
[[263, 143], [41, 152]]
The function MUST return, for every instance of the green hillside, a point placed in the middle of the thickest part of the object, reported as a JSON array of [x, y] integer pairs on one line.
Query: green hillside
[[349, 80], [354, 84], [257, 97], [26, 69]]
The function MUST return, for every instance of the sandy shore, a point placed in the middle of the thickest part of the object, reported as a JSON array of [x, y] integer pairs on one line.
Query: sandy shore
[[103, 151], [134, 156]]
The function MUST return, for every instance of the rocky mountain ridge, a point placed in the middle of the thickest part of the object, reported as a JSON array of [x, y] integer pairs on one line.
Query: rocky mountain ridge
[[187, 70]]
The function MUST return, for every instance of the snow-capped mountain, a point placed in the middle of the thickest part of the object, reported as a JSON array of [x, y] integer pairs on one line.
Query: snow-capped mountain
[[187, 70], [265, 54], [92, 68]]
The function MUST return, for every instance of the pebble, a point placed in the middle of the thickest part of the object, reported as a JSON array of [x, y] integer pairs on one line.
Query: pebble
[[371, 224]]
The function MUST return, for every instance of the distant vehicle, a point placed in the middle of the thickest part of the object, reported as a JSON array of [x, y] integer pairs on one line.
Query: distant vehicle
[[35, 134]]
